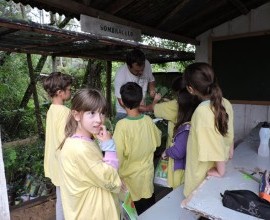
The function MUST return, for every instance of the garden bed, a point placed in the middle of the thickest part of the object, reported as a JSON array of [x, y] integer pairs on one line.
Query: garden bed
[[41, 208]]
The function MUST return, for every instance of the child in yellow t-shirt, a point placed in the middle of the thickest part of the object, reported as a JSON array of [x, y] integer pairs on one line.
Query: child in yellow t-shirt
[[177, 151], [210, 141], [89, 182], [176, 111], [57, 85], [136, 138]]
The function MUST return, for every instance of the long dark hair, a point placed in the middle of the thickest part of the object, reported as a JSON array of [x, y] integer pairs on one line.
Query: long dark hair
[[84, 100], [200, 76], [187, 104]]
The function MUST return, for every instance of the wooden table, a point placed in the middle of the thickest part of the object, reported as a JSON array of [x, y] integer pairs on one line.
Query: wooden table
[[207, 200]]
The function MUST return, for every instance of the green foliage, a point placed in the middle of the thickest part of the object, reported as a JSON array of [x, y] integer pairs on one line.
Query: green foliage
[[22, 160], [24, 164], [168, 44]]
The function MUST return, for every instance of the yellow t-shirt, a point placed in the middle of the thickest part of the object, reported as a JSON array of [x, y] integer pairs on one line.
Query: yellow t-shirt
[[136, 140], [168, 111], [205, 145], [88, 185], [57, 116]]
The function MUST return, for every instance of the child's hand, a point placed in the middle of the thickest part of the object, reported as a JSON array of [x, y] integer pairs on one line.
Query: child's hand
[[103, 134], [123, 187], [164, 156], [152, 93], [157, 97]]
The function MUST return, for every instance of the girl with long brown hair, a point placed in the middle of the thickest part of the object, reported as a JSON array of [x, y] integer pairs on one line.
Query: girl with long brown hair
[[210, 140]]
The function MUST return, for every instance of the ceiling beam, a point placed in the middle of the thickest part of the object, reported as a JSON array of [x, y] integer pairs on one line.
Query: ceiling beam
[[116, 6], [240, 6], [9, 31], [172, 13], [79, 8], [198, 14], [86, 2]]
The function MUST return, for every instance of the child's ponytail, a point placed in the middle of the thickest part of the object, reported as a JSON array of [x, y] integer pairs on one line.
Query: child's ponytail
[[221, 116], [200, 76]]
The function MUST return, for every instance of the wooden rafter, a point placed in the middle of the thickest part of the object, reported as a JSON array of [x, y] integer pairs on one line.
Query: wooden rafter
[[86, 2], [37, 28], [117, 6], [172, 13], [9, 31], [199, 14], [240, 6], [50, 44]]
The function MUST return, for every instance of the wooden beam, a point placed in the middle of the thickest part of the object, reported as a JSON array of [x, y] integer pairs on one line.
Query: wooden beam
[[64, 41], [109, 87], [193, 19], [86, 2], [79, 8], [172, 13], [240, 6], [33, 81], [116, 6], [10, 31], [37, 28]]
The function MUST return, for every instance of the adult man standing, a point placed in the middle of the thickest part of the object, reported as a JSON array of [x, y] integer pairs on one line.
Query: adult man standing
[[136, 69]]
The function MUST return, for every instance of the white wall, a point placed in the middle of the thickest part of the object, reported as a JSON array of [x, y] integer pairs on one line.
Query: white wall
[[246, 116]]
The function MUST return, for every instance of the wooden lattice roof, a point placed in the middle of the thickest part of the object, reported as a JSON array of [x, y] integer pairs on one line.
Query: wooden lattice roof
[[33, 38]]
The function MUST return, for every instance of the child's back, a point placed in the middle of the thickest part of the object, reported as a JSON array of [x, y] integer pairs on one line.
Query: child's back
[[136, 140], [56, 119], [57, 85]]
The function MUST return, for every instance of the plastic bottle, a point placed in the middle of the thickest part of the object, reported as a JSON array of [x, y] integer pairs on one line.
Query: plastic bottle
[[264, 134]]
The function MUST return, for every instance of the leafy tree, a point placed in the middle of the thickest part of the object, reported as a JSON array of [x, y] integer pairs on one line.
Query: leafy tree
[[168, 44]]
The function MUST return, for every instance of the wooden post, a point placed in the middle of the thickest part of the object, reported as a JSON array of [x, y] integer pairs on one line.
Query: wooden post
[[54, 66], [4, 206], [109, 86], [35, 97]]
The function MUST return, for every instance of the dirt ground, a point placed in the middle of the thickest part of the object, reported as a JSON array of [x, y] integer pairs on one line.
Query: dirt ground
[[42, 208]]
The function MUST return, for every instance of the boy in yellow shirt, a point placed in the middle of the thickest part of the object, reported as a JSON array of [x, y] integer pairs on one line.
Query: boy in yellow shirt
[[136, 138]]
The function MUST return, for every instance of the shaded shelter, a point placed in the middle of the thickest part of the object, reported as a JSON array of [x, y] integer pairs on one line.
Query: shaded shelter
[[179, 20]]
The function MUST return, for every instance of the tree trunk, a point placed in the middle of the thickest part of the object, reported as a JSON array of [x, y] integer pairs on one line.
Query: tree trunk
[[54, 66], [4, 57], [108, 86], [35, 97], [92, 77], [23, 11], [27, 95], [29, 91]]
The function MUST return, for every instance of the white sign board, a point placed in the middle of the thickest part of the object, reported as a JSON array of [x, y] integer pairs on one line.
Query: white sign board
[[110, 29]]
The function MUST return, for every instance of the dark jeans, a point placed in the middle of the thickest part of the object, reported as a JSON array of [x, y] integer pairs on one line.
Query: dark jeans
[[143, 204]]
